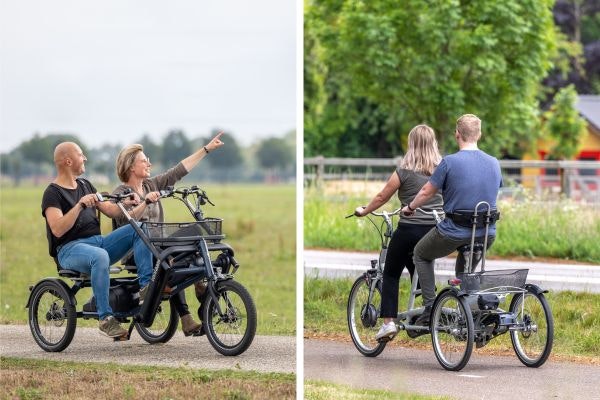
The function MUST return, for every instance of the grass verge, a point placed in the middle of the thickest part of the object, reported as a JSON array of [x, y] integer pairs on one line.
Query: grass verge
[[576, 319], [325, 391], [35, 379]]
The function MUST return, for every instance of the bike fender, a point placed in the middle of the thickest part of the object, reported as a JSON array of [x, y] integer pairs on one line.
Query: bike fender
[[459, 292], [535, 288], [72, 300]]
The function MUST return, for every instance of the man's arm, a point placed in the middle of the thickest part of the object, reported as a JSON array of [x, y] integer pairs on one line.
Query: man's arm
[[426, 192], [60, 223]]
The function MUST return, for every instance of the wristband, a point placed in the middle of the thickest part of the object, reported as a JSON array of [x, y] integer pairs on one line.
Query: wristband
[[410, 208], [206, 149], [147, 201], [83, 206]]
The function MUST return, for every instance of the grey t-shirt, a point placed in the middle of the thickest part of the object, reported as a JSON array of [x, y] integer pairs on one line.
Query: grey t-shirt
[[410, 184]]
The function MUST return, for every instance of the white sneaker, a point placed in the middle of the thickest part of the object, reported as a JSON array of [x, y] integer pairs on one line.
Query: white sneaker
[[388, 330]]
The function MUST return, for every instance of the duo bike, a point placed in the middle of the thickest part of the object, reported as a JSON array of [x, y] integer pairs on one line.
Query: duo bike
[[469, 311], [185, 254]]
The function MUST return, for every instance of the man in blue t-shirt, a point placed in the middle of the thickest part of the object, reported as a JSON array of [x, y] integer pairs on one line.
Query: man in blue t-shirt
[[465, 178]]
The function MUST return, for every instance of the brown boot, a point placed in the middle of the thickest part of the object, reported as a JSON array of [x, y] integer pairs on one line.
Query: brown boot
[[189, 326]]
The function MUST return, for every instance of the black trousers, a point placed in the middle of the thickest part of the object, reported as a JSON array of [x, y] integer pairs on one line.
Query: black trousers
[[399, 256]]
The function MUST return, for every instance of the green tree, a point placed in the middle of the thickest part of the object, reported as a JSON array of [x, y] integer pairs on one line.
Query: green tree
[[564, 124], [376, 69], [274, 153], [176, 146]]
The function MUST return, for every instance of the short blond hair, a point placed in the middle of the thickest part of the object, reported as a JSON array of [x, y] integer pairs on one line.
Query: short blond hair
[[422, 154], [468, 127], [126, 159]]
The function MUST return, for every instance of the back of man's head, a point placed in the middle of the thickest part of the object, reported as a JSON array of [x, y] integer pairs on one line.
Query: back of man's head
[[469, 128]]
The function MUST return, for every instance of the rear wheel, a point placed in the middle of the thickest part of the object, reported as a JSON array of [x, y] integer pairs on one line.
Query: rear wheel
[[532, 343], [362, 313], [231, 330], [52, 318], [452, 331], [163, 327]]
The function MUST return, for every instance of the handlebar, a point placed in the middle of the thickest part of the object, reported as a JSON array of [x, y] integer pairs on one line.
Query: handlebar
[[436, 214], [184, 192]]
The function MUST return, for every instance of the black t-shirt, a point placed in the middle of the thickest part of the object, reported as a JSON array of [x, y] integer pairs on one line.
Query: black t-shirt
[[64, 199]]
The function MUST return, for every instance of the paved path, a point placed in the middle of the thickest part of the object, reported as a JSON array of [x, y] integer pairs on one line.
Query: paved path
[[577, 277], [418, 371], [266, 353]]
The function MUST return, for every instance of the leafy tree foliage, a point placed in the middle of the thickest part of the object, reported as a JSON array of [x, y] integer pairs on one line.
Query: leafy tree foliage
[[176, 146], [564, 124], [274, 153], [373, 70]]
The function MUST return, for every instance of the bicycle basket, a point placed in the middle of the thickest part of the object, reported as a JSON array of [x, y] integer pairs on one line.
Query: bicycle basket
[[181, 233], [493, 279]]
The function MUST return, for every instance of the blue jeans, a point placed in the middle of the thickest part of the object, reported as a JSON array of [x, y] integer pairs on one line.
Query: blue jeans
[[95, 254]]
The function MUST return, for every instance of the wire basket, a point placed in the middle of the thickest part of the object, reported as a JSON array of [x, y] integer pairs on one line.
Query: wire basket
[[181, 233], [493, 279]]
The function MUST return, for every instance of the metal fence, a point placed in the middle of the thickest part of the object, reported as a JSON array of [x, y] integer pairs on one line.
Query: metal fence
[[579, 180]]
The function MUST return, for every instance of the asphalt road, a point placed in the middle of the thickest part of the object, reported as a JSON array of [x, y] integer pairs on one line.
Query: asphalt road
[[265, 354], [418, 371], [552, 276]]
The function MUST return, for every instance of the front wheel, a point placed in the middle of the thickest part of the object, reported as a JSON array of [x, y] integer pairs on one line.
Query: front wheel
[[52, 318], [163, 327], [363, 311], [533, 341], [452, 331], [231, 330]]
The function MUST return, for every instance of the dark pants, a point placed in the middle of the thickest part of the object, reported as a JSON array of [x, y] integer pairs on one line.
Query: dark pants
[[436, 245], [399, 255]]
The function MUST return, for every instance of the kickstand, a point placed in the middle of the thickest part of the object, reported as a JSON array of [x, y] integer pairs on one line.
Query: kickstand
[[126, 336]]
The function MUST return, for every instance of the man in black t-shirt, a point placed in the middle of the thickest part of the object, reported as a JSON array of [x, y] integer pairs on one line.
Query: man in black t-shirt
[[69, 205]]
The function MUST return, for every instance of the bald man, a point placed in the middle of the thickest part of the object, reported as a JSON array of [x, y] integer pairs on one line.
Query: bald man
[[69, 205]]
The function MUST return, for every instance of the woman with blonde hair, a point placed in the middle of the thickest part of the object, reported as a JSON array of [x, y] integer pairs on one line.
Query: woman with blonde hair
[[133, 169], [418, 164]]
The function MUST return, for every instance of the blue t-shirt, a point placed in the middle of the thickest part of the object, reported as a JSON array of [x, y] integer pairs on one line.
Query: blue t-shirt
[[466, 178]]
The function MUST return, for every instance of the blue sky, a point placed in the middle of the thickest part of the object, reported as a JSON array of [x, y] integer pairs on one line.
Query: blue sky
[[112, 70]]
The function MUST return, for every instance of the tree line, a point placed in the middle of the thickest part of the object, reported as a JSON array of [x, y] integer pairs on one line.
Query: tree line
[[271, 159], [373, 70]]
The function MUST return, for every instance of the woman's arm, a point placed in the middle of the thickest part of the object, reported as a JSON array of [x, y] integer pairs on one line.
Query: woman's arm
[[391, 187], [191, 161]]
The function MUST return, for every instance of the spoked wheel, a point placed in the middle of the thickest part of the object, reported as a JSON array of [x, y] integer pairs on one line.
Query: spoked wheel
[[452, 331], [533, 342], [164, 326], [232, 331], [362, 317], [52, 319]]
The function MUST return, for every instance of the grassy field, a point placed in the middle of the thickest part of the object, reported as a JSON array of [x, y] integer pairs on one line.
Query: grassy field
[[259, 221], [529, 228], [576, 318], [35, 379]]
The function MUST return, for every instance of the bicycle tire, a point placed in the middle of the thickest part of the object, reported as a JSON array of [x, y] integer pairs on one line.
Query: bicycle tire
[[362, 317], [532, 347], [232, 332], [163, 327], [52, 318]]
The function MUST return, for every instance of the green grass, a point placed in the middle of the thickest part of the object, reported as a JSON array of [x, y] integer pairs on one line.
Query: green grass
[[259, 221], [325, 391], [39, 379], [562, 230], [576, 316]]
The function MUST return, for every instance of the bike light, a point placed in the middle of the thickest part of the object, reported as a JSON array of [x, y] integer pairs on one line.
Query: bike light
[[454, 282]]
